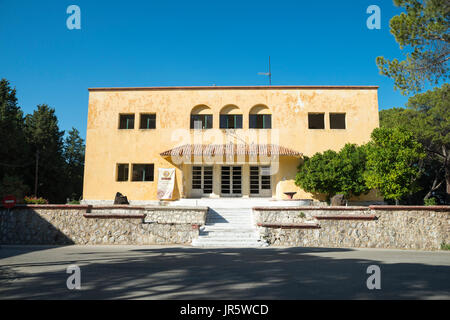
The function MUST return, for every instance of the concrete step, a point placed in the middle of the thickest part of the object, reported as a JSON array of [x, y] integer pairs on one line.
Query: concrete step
[[227, 239], [237, 220], [234, 220], [224, 234], [231, 210], [229, 227], [218, 227], [239, 214]]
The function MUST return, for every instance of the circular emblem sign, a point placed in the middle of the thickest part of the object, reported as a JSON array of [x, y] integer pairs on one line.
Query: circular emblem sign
[[9, 202]]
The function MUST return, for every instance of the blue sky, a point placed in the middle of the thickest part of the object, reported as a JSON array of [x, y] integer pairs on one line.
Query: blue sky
[[188, 43]]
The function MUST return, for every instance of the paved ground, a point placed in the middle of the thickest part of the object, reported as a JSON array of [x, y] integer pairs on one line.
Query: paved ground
[[150, 272]]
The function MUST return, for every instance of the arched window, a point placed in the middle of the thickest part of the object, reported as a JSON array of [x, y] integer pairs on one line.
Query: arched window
[[230, 117], [201, 117], [260, 117]]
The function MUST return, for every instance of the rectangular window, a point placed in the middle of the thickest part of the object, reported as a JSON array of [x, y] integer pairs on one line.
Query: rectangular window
[[260, 121], [337, 120], [122, 172], [148, 121], [201, 121], [316, 120], [126, 121], [142, 172], [233, 121]]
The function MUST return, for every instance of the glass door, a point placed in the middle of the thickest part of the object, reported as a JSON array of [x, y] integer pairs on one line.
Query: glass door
[[260, 182], [231, 181], [202, 180]]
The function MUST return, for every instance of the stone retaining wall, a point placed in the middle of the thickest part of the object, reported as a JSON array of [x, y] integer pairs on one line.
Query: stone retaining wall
[[400, 227], [47, 224]]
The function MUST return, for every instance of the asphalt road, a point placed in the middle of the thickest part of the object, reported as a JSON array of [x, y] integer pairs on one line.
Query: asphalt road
[[152, 272]]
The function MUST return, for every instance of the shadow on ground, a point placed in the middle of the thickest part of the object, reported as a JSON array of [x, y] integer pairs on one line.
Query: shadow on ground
[[190, 273]]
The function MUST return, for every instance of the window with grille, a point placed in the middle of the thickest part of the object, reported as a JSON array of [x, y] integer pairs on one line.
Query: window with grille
[[126, 121], [260, 121], [122, 172], [230, 121], [148, 121], [143, 172], [201, 121]]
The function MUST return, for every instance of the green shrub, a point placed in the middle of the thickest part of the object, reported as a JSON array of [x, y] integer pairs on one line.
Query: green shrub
[[430, 202], [34, 200], [445, 246]]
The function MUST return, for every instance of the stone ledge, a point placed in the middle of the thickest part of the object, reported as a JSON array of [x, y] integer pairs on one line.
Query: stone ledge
[[312, 208], [410, 208], [289, 225], [346, 217], [49, 206], [173, 208], [113, 216], [118, 206]]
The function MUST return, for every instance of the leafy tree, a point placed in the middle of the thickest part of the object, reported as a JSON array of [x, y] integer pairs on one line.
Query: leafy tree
[[396, 117], [427, 116], [331, 173], [318, 174], [392, 166], [351, 168], [74, 156], [46, 142], [424, 30], [431, 125]]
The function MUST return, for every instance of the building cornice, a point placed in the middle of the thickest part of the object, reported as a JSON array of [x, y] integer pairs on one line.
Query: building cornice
[[236, 88]]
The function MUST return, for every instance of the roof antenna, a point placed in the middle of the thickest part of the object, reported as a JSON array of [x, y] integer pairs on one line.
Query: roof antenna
[[267, 74]]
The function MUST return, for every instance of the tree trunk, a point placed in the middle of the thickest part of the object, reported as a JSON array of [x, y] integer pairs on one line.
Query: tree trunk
[[36, 174], [447, 180], [447, 173], [434, 187]]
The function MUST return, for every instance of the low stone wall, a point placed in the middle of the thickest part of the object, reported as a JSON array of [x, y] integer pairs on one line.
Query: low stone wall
[[47, 224], [400, 227]]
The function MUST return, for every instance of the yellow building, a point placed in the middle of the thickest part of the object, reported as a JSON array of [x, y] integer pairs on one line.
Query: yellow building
[[221, 141]]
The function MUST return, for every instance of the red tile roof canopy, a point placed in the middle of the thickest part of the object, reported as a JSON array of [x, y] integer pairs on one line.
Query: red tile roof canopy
[[230, 149]]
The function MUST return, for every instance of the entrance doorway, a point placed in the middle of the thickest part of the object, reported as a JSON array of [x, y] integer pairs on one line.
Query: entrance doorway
[[231, 181], [202, 180], [260, 185]]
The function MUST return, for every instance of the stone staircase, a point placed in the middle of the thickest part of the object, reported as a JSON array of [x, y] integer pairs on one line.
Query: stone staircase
[[229, 228]]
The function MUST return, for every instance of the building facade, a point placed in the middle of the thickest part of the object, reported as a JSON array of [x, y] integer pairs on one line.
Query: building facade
[[220, 141]]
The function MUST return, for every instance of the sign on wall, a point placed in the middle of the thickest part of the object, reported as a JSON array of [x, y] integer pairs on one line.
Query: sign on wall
[[9, 201], [166, 183]]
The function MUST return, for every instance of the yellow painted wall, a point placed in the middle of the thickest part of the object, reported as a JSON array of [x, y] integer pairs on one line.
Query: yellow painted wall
[[106, 145]]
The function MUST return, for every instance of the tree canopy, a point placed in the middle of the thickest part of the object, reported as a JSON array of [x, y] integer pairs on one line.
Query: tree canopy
[[37, 139], [331, 172], [393, 157], [423, 32], [427, 116]]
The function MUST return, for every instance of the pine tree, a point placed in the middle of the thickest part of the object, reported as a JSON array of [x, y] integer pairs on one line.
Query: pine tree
[[13, 147], [46, 143], [74, 156]]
